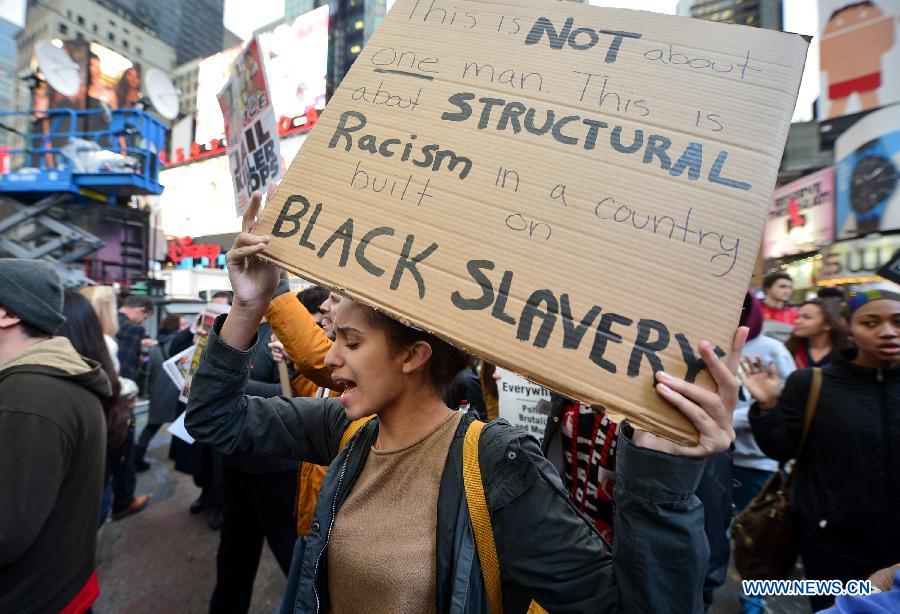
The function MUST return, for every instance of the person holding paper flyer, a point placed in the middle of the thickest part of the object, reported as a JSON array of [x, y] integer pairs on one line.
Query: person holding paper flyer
[[391, 529]]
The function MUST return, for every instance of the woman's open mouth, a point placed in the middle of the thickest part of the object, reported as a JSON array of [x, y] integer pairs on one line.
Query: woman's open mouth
[[349, 389]]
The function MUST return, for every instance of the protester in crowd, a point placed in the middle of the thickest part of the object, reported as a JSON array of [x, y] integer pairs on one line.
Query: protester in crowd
[[392, 510], [466, 390], [131, 336], [830, 292], [312, 298], [199, 460], [750, 468], [163, 392], [778, 288], [581, 442], [103, 300], [258, 501], [299, 321], [82, 329], [52, 442], [820, 333], [489, 391], [846, 497]]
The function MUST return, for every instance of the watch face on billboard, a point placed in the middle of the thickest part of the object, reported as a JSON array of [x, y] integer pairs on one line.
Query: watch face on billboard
[[867, 175], [859, 55]]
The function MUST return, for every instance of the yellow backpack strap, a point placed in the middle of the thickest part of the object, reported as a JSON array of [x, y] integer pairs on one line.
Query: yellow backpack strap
[[481, 521], [351, 430]]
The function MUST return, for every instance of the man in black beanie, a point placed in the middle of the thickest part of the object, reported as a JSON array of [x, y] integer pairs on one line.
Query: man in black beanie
[[52, 449]]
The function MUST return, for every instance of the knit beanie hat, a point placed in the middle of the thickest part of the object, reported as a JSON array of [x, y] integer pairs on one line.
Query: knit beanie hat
[[858, 299], [32, 291]]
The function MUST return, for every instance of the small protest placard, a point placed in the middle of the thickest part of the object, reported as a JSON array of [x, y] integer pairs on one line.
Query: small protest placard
[[573, 193], [254, 155], [177, 366], [518, 398]]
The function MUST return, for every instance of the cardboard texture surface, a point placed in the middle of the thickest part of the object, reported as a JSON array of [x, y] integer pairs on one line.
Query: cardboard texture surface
[[576, 194]]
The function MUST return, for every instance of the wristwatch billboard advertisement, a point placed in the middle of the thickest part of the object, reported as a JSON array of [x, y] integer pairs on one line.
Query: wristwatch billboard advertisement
[[867, 175]]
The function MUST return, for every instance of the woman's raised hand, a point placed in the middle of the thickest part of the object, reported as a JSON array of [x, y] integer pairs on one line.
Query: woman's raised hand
[[708, 410], [253, 280], [763, 384]]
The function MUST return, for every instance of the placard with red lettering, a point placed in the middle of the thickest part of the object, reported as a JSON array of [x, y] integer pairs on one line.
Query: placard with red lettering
[[250, 127]]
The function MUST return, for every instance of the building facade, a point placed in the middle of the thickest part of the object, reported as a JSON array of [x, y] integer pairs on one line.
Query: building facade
[[193, 27], [758, 13], [8, 33]]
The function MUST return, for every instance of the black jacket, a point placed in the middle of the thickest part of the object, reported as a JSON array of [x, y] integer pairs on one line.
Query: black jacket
[[264, 382], [52, 455], [847, 486], [163, 391], [546, 550]]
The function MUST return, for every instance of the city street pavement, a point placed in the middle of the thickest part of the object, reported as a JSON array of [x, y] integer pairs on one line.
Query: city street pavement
[[162, 560]]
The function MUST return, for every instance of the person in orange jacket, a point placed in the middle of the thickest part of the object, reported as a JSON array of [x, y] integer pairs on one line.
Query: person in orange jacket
[[302, 325]]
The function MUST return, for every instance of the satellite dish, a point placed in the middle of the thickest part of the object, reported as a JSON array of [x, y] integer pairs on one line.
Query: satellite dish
[[162, 94], [61, 71]]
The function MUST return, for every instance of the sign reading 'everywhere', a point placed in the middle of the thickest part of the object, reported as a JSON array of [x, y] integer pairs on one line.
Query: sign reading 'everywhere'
[[576, 194]]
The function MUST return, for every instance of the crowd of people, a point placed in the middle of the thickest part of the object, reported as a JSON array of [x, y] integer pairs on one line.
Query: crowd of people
[[338, 436]]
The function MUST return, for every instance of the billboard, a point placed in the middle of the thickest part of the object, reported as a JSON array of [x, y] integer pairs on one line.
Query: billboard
[[106, 77], [867, 175], [295, 55], [801, 217], [859, 55], [212, 75], [198, 194]]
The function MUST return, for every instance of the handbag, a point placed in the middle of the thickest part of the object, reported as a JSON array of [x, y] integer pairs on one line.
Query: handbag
[[764, 534]]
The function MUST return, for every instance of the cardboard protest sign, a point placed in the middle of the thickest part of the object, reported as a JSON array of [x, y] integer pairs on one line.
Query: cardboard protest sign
[[517, 398], [250, 127], [576, 194]]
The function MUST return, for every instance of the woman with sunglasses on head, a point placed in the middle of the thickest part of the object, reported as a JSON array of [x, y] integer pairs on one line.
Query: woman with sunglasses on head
[[846, 492], [391, 529]]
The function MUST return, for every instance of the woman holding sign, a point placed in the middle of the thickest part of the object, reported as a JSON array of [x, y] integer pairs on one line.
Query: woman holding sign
[[392, 528]]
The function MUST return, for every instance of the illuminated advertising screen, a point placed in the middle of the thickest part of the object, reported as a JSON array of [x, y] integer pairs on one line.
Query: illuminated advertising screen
[[859, 56], [295, 55], [213, 73], [867, 175], [106, 77], [198, 197], [801, 217]]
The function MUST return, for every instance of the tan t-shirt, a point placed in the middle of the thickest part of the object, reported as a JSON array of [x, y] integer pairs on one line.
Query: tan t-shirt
[[381, 556]]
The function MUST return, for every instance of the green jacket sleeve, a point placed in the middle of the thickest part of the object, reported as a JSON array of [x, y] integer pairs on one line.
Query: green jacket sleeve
[[220, 414]]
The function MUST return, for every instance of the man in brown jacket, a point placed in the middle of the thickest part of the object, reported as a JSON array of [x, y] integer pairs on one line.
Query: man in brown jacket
[[52, 449]]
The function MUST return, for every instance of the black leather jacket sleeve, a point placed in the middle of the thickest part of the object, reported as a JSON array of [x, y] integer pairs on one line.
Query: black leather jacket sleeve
[[220, 414], [549, 552], [777, 431]]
